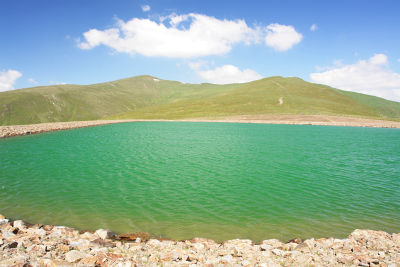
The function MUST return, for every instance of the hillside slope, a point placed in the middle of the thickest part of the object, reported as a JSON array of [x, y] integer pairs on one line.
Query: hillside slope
[[151, 98]]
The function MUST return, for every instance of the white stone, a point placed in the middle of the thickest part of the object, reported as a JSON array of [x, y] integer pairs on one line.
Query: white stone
[[153, 242], [7, 234], [198, 246], [40, 232], [104, 234], [274, 243], [75, 255], [227, 259], [266, 247], [245, 263], [3, 221], [97, 250], [58, 231], [80, 244], [277, 252], [89, 236], [47, 262], [19, 224], [295, 253]]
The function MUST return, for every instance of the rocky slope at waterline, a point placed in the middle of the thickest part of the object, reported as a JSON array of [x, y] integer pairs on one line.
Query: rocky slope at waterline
[[17, 130], [22, 244]]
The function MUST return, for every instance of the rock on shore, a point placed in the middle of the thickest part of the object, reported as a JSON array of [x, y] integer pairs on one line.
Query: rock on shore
[[22, 244], [15, 130]]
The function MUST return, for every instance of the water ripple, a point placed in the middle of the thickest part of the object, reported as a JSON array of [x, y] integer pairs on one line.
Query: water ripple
[[215, 180]]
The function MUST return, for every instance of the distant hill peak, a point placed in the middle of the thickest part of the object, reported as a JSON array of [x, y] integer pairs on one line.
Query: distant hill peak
[[150, 97]]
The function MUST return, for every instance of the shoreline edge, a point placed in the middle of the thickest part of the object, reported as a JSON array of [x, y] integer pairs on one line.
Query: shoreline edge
[[24, 244], [20, 130]]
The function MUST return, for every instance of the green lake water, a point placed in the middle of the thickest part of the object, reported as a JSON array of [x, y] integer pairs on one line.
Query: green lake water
[[216, 180]]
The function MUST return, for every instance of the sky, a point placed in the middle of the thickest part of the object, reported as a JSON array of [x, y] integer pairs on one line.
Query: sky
[[351, 45]]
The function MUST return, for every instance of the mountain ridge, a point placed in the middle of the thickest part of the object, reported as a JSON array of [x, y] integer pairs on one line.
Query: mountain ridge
[[149, 97]]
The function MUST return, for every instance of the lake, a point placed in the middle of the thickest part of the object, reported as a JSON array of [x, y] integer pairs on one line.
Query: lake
[[199, 179]]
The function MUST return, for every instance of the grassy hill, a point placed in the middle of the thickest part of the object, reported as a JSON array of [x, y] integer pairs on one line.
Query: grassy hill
[[151, 98]]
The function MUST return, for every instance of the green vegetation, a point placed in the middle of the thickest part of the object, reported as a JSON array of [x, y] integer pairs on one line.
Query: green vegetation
[[147, 97]]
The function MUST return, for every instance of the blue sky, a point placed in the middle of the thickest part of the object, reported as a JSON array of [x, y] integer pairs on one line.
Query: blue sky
[[354, 45]]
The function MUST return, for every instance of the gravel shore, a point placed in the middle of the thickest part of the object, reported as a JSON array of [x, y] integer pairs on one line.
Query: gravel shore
[[16, 130], [305, 120], [22, 244]]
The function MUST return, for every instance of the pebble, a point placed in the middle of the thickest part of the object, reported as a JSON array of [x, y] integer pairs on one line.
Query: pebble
[[19, 224], [63, 246], [105, 234], [74, 255]]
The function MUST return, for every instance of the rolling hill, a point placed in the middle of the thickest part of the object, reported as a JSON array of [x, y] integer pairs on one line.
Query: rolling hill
[[147, 97]]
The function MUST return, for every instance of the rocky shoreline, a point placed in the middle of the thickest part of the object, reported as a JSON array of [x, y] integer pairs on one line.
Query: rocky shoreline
[[323, 120], [18, 130], [23, 244]]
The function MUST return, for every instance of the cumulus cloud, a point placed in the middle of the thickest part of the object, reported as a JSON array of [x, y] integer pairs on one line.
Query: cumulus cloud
[[32, 81], [56, 83], [313, 27], [228, 74], [145, 8], [336, 63], [197, 65], [282, 37], [187, 36], [203, 36], [8, 78], [371, 76]]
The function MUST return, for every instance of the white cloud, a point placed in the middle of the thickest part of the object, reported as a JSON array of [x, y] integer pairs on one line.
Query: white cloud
[[313, 27], [56, 83], [228, 74], [175, 20], [199, 64], [371, 76], [282, 37], [204, 36], [145, 8], [8, 78], [187, 36], [378, 59], [33, 81], [336, 63]]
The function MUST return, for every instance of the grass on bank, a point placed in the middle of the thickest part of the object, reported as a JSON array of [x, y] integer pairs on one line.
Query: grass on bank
[[146, 97]]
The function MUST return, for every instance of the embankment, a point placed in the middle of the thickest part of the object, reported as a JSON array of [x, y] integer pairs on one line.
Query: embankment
[[22, 244]]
